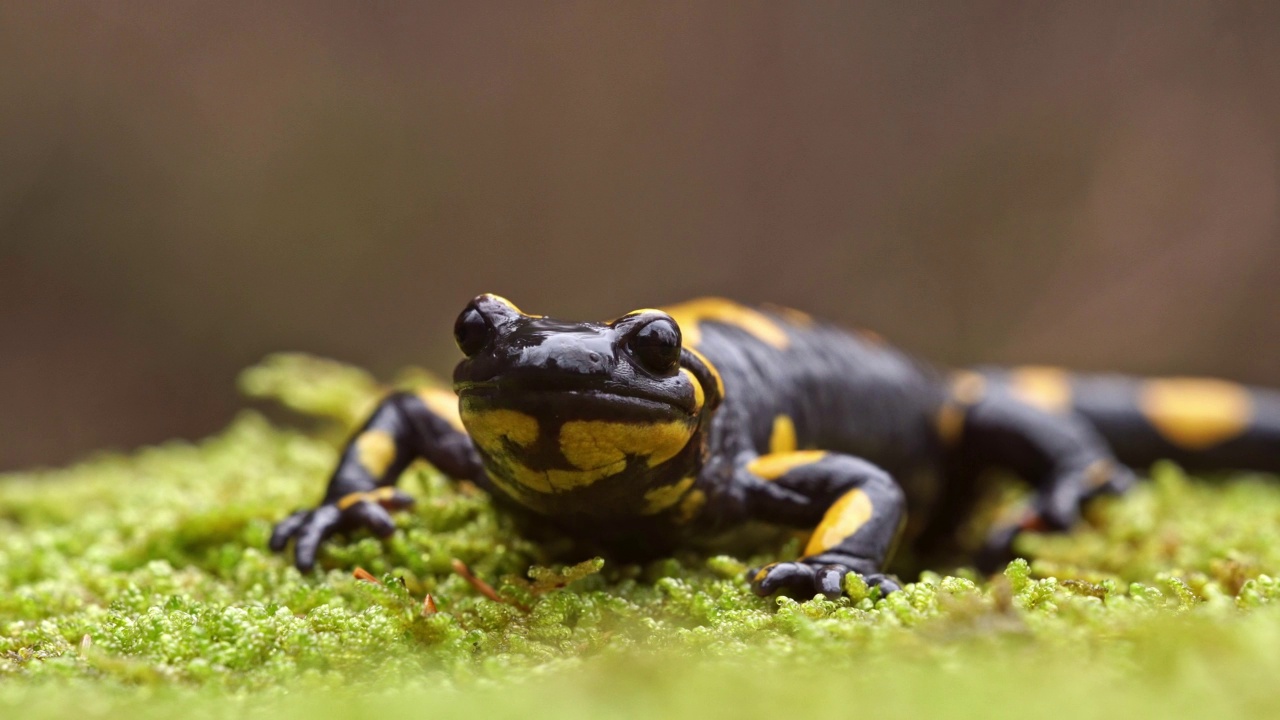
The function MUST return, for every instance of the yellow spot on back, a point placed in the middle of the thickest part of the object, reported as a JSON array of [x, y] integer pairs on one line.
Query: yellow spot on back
[[1196, 413], [443, 403], [799, 318], [772, 467], [949, 422], [375, 450], [872, 337], [1047, 388], [783, 437], [591, 444], [841, 520], [661, 498], [689, 315], [490, 429], [968, 387]]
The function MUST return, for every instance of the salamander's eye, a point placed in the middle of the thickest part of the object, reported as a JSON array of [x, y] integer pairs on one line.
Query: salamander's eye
[[471, 331], [656, 345]]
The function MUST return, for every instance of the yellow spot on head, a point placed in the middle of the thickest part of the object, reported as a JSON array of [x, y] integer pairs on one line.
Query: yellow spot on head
[[967, 387], [1196, 413], [772, 467], [509, 304], [443, 403], [715, 374], [783, 437], [661, 498], [1047, 388], [492, 429], [590, 444], [375, 450], [699, 395], [689, 315], [843, 519], [634, 313]]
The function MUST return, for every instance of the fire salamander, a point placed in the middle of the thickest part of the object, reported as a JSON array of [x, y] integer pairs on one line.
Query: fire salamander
[[664, 427]]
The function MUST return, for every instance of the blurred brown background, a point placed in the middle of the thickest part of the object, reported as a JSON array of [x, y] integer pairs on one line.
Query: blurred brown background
[[185, 187]]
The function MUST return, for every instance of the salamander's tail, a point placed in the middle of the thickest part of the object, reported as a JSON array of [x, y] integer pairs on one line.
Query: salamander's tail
[[1200, 423]]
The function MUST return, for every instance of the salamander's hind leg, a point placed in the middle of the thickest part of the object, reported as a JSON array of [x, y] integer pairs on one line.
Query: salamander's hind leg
[[1058, 453], [854, 507]]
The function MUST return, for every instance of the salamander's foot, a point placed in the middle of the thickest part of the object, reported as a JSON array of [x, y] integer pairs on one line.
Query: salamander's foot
[[310, 528], [806, 579]]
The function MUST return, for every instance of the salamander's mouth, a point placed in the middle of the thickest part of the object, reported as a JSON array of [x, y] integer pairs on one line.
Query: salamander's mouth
[[623, 404]]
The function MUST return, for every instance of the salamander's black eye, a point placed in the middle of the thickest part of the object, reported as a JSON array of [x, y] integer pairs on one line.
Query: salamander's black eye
[[656, 346], [471, 331]]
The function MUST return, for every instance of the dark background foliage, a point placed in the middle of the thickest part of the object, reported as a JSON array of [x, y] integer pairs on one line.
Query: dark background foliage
[[186, 186]]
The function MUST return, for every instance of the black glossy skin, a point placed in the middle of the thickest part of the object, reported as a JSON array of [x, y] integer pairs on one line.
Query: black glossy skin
[[635, 442]]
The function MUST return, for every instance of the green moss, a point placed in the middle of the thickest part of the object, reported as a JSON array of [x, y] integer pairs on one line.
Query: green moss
[[141, 585]]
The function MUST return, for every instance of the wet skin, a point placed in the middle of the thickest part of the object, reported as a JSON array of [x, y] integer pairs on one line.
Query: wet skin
[[663, 429]]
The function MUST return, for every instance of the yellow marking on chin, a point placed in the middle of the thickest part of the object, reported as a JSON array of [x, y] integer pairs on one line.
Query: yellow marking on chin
[[378, 495], [443, 403], [842, 520], [783, 437], [968, 387], [715, 374], [699, 395], [949, 422], [375, 451], [1047, 388], [1196, 413], [590, 444], [492, 429], [547, 481], [772, 467], [661, 498], [561, 480], [689, 315], [691, 505], [505, 473]]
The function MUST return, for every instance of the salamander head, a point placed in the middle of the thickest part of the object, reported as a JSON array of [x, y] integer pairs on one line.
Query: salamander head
[[557, 406]]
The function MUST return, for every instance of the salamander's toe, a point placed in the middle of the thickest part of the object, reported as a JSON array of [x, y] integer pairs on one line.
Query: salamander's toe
[[804, 580]]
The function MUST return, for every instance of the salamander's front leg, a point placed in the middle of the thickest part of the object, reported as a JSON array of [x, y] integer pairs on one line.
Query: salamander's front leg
[[361, 492], [855, 508]]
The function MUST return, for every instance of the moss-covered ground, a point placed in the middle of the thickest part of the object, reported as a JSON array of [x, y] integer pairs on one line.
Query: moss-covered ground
[[140, 586]]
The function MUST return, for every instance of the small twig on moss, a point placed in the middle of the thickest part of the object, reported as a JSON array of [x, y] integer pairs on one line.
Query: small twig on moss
[[362, 574], [481, 586]]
